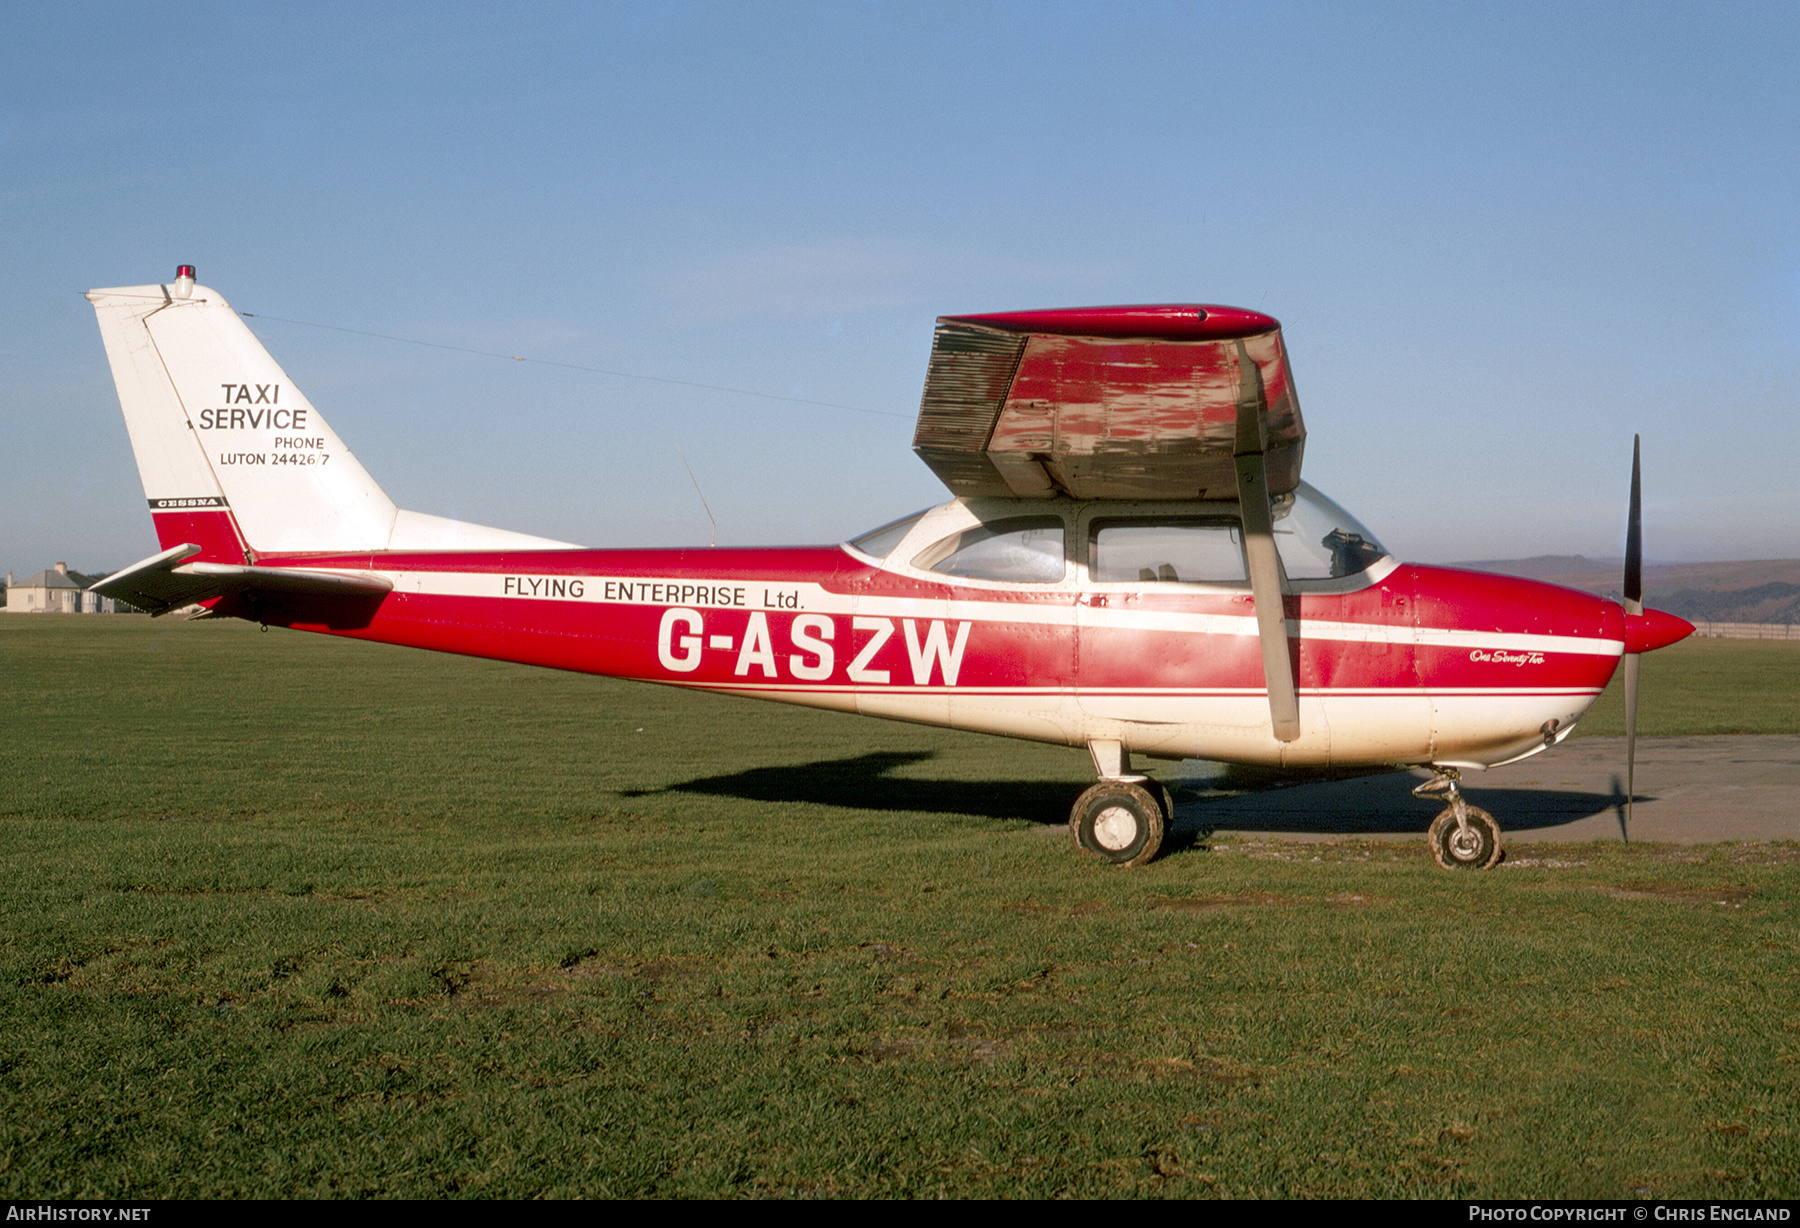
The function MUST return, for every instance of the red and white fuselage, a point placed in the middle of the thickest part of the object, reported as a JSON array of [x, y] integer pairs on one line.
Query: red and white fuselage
[[1399, 664]]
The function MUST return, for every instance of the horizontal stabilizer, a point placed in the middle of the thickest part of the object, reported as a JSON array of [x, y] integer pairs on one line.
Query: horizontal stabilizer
[[1106, 402], [164, 582]]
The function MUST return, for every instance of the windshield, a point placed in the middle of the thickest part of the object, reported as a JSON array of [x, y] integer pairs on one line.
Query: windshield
[[1318, 540], [879, 543]]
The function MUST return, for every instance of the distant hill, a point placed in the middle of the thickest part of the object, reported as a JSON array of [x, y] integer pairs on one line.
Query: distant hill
[[1761, 591]]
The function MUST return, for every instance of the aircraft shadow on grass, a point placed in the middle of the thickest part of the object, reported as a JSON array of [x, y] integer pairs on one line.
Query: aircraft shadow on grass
[[1383, 803], [866, 782], [1257, 801]]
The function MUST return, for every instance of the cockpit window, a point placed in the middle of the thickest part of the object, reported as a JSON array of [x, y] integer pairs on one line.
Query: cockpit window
[[1178, 550], [1319, 540], [879, 543], [1023, 551]]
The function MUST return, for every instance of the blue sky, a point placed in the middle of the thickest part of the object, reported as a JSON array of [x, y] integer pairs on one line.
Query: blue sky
[[1501, 239]]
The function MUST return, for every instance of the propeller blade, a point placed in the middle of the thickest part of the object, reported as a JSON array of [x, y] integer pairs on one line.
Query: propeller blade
[[1634, 541], [1633, 592]]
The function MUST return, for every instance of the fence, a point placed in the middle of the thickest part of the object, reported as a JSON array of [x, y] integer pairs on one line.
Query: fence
[[1748, 631]]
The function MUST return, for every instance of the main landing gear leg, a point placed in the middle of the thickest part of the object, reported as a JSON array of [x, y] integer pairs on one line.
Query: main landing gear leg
[[1123, 818], [1462, 837]]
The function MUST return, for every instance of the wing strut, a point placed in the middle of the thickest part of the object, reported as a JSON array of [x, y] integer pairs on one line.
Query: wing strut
[[1267, 583]]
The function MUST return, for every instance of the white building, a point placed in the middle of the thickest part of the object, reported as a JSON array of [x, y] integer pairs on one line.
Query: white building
[[59, 591]]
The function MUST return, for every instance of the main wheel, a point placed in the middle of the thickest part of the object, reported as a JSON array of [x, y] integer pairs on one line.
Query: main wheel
[[1478, 848], [1120, 821]]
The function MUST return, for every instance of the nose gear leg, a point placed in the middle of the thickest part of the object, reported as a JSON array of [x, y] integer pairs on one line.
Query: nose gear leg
[[1462, 837]]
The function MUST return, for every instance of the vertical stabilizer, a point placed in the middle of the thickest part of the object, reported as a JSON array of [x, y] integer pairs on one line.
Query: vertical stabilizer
[[232, 455], [219, 428]]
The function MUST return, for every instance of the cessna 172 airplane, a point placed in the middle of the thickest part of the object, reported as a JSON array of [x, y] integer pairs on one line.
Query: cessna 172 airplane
[[1130, 564]]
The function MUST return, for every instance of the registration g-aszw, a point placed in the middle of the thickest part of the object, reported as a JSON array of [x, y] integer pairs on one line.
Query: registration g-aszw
[[810, 654]]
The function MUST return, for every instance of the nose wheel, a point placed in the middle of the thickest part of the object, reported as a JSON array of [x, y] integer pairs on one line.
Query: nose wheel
[[1462, 837]]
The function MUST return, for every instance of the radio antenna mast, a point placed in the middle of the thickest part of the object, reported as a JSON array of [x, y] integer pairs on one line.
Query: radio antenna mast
[[701, 493]]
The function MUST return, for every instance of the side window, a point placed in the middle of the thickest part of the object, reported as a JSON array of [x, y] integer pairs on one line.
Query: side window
[[1167, 551], [1025, 551]]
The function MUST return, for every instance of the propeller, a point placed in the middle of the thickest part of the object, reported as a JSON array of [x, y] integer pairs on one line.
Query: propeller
[[1633, 592]]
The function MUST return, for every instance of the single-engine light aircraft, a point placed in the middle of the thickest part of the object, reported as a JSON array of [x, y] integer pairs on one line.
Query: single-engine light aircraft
[[1130, 564]]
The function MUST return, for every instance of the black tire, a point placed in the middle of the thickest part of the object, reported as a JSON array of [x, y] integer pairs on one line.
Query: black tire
[[1161, 793], [1119, 821], [1476, 849]]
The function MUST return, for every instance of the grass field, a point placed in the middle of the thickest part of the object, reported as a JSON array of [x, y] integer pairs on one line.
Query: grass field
[[285, 916]]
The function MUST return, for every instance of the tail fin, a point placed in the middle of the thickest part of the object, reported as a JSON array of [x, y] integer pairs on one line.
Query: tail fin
[[233, 457]]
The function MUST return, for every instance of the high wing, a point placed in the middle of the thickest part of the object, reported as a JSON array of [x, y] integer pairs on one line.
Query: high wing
[[1108, 403]]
